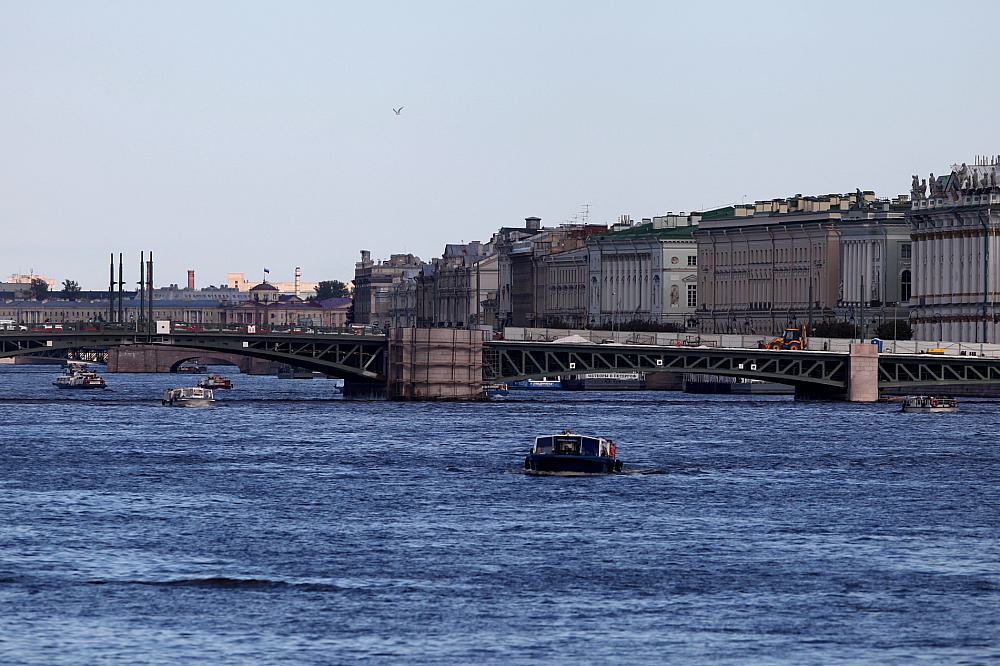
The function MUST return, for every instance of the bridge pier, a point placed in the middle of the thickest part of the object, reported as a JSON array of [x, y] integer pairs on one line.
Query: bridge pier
[[435, 364], [862, 378]]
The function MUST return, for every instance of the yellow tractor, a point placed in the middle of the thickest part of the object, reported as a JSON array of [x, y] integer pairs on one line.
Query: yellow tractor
[[793, 338]]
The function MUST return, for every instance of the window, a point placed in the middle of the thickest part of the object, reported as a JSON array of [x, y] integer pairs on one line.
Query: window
[[904, 285], [904, 251], [692, 295], [692, 260]]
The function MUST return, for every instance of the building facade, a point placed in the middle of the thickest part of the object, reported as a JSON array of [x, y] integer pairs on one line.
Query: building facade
[[645, 272], [955, 225], [373, 286], [778, 263]]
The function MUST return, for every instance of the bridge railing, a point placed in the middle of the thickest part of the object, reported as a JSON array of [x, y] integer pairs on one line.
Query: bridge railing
[[746, 341], [179, 327]]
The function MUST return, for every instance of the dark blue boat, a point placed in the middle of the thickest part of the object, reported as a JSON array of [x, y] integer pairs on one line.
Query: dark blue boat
[[571, 454]]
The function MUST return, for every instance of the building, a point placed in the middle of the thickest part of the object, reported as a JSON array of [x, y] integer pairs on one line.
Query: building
[[875, 263], [777, 263], [451, 290], [645, 272], [373, 286], [522, 271], [297, 287], [954, 227]]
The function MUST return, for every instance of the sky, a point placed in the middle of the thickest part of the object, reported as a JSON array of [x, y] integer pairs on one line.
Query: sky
[[234, 136]]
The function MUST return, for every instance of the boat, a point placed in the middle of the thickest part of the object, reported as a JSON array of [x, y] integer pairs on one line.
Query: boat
[[545, 383], [606, 381], [77, 376], [495, 391], [572, 454], [929, 404], [192, 369], [216, 382], [194, 396]]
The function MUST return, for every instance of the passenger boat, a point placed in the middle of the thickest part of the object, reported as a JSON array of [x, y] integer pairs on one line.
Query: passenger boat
[[77, 376], [495, 390], [216, 382], [572, 454], [191, 368], [929, 404], [545, 383], [194, 396], [606, 381]]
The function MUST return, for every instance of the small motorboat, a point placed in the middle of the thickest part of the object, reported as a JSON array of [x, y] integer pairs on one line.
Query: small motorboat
[[216, 382], [77, 376], [495, 391], [191, 369], [929, 404], [571, 454], [194, 396]]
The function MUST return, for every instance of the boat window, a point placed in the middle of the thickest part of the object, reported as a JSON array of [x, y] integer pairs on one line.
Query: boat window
[[543, 445], [589, 446], [567, 445]]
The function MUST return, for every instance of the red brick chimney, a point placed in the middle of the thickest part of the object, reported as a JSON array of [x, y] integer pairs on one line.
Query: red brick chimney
[[190, 279]]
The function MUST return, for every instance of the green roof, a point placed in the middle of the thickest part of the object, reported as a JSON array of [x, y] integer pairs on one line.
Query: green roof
[[719, 213], [647, 231]]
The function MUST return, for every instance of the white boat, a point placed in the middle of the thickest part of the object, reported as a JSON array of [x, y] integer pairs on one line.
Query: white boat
[[545, 383], [929, 404], [194, 396], [77, 376]]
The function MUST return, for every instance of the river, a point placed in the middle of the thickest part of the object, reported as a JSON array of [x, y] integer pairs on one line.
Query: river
[[285, 525]]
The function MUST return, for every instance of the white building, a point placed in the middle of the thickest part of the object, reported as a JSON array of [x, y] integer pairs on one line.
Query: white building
[[956, 254]]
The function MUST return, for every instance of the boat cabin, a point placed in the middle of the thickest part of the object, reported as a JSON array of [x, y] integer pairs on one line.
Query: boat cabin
[[570, 444]]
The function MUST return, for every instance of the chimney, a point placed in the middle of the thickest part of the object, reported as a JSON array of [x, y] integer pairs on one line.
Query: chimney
[[532, 223], [191, 280], [366, 256]]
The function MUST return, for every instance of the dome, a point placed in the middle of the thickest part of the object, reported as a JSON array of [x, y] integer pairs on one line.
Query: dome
[[264, 286]]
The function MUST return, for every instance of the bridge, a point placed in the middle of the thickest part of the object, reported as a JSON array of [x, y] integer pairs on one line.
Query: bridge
[[430, 363], [355, 358]]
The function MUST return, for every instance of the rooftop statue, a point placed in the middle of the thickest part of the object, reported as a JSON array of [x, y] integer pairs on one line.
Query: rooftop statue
[[917, 189]]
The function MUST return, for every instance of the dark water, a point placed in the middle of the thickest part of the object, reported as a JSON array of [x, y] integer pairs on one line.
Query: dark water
[[285, 527]]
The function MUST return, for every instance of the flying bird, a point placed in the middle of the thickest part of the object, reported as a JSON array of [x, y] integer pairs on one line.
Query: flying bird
[[396, 111]]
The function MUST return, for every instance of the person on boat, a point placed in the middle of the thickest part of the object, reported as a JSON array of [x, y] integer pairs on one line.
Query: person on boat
[[611, 447]]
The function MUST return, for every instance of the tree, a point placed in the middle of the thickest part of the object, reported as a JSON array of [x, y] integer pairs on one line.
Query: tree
[[39, 289], [331, 289], [70, 289], [834, 329], [898, 329]]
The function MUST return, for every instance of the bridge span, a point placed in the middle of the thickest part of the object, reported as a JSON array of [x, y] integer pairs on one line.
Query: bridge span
[[427, 364]]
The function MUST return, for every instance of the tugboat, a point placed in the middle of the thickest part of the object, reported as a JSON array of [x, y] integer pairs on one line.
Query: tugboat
[[195, 396], [572, 454], [76, 376], [216, 382], [929, 404]]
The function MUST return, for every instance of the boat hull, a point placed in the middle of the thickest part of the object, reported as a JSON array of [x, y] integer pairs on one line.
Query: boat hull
[[189, 402], [570, 465], [929, 410], [81, 386]]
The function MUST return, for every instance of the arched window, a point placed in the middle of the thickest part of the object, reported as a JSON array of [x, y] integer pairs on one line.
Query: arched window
[[904, 286]]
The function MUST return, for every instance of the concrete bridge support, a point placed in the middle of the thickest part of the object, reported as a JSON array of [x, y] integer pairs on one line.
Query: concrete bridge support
[[862, 382], [435, 364]]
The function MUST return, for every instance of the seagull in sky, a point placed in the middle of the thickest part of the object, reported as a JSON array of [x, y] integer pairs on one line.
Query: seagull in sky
[[397, 111]]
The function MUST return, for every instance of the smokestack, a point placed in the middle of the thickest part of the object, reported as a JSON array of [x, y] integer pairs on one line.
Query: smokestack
[[191, 280], [298, 277]]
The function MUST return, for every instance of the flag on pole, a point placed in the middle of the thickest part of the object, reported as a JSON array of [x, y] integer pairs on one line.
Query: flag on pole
[[266, 271]]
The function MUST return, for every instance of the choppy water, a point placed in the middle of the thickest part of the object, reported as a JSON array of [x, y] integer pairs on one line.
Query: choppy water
[[283, 526]]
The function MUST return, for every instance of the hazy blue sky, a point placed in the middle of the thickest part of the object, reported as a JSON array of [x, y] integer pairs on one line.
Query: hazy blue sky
[[229, 136]]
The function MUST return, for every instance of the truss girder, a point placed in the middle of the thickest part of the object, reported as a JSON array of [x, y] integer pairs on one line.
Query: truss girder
[[896, 371], [508, 361], [344, 356]]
